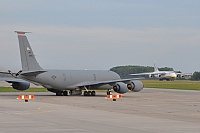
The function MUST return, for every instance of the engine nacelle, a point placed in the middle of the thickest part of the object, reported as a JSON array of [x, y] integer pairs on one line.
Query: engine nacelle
[[180, 76], [150, 76], [21, 85], [120, 87], [135, 85], [158, 75]]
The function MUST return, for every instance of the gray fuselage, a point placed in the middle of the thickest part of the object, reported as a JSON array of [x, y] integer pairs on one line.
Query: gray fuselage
[[68, 79]]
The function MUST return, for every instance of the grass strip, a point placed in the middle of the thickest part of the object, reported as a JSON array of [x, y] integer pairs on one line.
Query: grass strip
[[177, 84], [10, 89]]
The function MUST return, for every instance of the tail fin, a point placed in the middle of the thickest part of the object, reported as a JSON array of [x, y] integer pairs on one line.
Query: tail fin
[[28, 60], [155, 68]]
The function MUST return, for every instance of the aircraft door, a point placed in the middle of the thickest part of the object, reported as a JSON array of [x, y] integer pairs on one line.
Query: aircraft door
[[65, 80]]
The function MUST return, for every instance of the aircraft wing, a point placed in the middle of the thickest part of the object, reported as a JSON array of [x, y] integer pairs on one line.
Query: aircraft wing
[[99, 83], [137, 74], [188, 74], [184, 74], [149, 73]]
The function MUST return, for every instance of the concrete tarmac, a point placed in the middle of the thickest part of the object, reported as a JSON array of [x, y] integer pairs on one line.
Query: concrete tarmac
[[149, 111]]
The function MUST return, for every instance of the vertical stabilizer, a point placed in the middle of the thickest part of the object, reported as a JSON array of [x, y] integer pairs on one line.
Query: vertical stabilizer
[[28, 60], [155, 68]]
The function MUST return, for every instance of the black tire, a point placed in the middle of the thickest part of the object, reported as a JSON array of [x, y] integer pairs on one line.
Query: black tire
[[59, 93], [65, 93], [89, 93], [93, 93], [85, 93]]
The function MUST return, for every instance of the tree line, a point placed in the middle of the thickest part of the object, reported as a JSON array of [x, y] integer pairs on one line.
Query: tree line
[[196, 76]]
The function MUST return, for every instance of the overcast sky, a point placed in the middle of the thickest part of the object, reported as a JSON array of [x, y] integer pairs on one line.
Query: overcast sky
[[101, 34]]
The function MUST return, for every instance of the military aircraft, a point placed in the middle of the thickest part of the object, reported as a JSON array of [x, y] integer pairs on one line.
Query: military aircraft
[[163, 75], [63, 82]]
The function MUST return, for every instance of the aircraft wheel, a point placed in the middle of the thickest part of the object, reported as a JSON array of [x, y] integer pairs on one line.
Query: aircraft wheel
[[59, 94], [93, 93], [89, 93], [85, 93], [71, 92], [65, 93]]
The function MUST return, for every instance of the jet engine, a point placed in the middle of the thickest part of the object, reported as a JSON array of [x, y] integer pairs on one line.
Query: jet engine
[[21, 85], [180, 76], [150, 76], [120, 87], [135, 85], [158, 76]]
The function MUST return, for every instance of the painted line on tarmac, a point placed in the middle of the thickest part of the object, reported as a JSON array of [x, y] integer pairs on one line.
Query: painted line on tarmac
[[151, 105], [196, 114]]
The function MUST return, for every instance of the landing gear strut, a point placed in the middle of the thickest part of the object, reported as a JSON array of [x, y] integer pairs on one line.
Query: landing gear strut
[[109, 92], [88, 93]]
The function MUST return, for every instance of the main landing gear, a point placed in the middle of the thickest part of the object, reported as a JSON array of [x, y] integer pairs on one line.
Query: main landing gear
[[76, 92], [89, 93], [62, 93], [66, 93], [79, 92]]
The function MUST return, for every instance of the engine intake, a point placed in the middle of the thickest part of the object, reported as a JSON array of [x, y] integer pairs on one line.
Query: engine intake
[[135, 85], [120, 87], [150, 76], [180, 76]]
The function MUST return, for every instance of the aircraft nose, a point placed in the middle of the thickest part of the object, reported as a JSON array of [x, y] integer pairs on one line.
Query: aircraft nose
[[174, 75]]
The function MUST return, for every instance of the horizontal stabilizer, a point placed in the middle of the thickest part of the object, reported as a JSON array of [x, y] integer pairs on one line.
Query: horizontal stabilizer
[[32, 73], [21, 32]]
